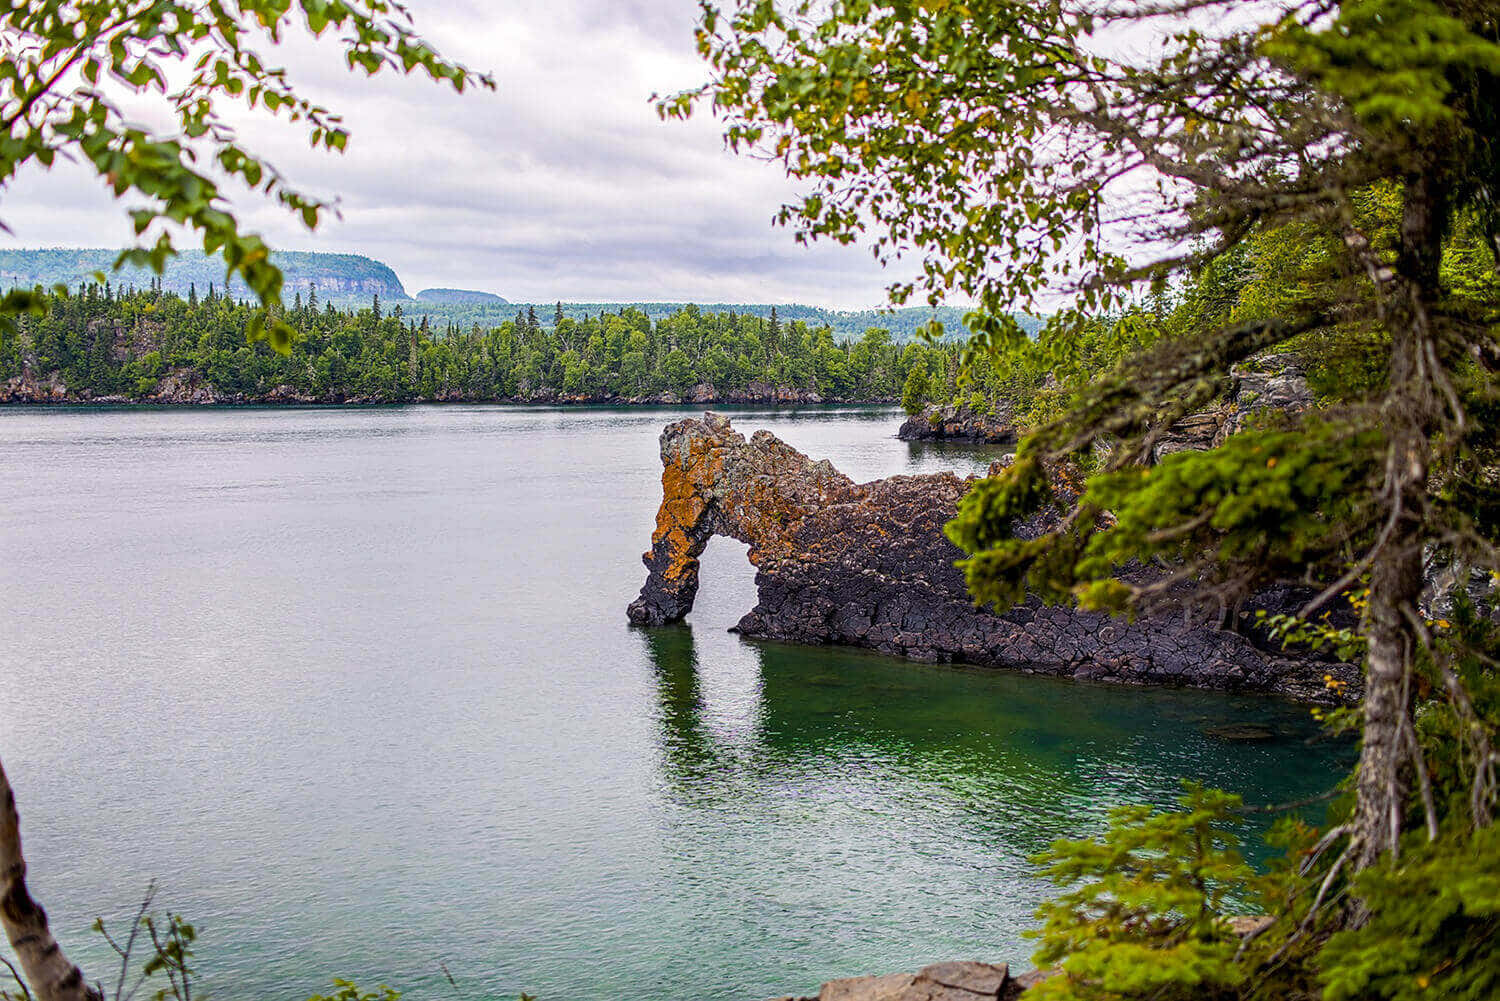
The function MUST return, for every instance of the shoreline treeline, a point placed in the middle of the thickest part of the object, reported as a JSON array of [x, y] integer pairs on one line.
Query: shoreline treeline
[[151, 345]]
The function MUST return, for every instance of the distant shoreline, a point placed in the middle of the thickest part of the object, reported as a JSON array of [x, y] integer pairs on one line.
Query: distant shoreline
[[560, 402]]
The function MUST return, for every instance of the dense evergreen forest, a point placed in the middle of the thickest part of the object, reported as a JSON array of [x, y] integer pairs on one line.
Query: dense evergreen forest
[[152, 345], [903, 324]]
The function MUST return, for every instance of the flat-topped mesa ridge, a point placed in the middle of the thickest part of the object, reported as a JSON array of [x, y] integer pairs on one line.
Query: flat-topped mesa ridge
[[868, 565]]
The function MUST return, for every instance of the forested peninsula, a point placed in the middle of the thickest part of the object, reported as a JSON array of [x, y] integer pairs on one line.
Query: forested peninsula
[[106, 345]]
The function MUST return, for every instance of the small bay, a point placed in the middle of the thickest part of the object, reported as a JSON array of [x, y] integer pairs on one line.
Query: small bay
[[355, 687]]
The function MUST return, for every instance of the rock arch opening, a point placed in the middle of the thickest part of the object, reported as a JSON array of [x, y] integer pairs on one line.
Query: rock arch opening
[[726, 583]]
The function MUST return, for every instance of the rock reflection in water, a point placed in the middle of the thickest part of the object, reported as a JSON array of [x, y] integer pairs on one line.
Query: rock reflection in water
[[1012, 761]]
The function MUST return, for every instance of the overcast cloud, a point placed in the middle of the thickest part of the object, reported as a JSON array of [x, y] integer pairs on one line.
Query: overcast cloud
[[562, 185]]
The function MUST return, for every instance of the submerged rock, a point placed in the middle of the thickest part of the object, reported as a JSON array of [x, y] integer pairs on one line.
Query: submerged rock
[[868, 565], [1243, 732]]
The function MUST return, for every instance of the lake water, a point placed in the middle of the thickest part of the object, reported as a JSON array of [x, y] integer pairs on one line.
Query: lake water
[[356, 688]]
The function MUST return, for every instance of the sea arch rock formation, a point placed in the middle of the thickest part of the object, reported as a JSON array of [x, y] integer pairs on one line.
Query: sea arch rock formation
[[867, 564]]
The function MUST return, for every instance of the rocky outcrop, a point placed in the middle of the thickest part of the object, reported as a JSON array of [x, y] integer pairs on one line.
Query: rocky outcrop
[[867, 564], [758, 392], [966, 980], [960, 981], [1269, 383], [185, 386], [29, 389], [955, 422]]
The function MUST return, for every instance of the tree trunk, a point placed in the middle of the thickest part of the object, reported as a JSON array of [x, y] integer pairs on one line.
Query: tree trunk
[[52, 976], [1396, 574], [1381, 789]]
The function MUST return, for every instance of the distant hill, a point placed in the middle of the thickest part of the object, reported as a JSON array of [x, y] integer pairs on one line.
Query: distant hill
[[902, 323], [352, 280], [343, 278], [459, 297]]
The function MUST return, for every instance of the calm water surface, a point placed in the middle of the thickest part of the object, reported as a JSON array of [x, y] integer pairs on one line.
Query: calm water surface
[[356, 688]]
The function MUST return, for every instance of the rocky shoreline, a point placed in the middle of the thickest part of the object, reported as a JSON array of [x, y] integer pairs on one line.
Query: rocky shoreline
[[964, 980], [187, 388], [868, 565], [953, 981]]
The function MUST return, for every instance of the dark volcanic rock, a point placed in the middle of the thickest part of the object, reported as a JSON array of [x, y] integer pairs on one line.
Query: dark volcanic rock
[[867, 564], [958, 423]]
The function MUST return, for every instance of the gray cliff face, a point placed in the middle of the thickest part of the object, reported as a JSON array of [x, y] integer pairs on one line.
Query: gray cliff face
[[1274, 384], [868, 565]]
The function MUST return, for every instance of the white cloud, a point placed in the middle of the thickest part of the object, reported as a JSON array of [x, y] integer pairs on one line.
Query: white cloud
[[562, 185]]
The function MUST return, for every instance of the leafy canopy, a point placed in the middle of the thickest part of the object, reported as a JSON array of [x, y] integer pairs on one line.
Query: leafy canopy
[[1201, 184], [70, 64]]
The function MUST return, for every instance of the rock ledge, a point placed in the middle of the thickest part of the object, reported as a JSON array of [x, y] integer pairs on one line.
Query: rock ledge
[[954, 981]]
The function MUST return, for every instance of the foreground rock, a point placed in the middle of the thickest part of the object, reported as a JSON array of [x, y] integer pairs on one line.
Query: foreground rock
[[961, 981], [958, 423], [868, 565]]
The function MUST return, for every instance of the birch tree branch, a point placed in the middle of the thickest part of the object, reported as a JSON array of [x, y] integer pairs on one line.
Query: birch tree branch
[[53, 977]]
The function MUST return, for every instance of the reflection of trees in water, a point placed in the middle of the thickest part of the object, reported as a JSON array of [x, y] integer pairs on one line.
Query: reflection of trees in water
[[1020, 758]]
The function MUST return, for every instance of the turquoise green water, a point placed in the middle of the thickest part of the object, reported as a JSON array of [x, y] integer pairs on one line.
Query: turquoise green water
[[356, 688]]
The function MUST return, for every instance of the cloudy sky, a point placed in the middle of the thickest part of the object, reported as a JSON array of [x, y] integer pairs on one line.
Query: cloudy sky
[[564, 184]]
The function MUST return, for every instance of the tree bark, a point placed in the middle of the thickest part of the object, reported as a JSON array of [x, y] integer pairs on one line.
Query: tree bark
[[52, 976], [1396, 573], [1396, 583]]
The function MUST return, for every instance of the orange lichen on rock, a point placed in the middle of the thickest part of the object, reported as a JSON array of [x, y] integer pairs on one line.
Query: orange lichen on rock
[[683, 504]]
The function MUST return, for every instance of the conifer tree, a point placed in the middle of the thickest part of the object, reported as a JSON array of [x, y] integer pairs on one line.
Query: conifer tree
[[1025, 150]]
